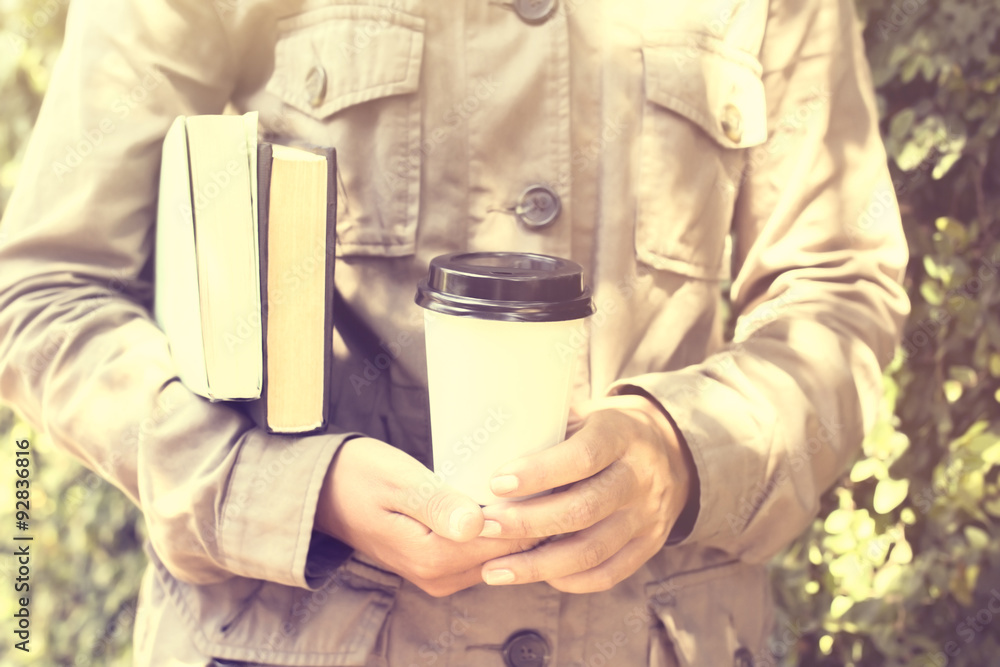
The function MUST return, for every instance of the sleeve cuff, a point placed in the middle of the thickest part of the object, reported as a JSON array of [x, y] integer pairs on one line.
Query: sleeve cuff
[[721, 433], [266, 531], [689, 515]]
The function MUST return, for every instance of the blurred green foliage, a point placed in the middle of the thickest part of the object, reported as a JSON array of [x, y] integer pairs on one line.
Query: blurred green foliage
[[901, 564], [86, 559]]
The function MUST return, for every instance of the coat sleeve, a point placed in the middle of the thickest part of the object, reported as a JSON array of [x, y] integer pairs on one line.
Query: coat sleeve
[[773, 419], [79, 354]]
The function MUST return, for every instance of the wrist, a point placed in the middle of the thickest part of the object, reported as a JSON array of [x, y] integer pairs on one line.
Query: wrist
[[327, 519], [687, 492]]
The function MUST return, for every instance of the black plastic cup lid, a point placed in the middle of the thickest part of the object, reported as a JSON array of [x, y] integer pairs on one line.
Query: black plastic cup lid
[[508, 286]]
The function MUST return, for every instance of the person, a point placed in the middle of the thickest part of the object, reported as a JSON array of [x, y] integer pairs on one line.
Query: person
[[672, 149]]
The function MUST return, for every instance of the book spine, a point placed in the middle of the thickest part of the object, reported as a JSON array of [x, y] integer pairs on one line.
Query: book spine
[[258, 409], [331, 240]]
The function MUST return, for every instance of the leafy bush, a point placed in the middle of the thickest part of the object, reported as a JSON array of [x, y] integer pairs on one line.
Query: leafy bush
[[900, 566]]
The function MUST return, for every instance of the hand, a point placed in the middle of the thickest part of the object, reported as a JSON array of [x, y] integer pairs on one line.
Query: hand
[[386, 504], [628, 474]]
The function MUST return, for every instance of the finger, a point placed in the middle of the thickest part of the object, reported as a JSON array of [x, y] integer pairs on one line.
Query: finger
[[563, 557], [424, 496], [580, 506], [449, 585], [600, 441], [439, 586], [437, 559], [474, 553], [611, 572], [576, 418]]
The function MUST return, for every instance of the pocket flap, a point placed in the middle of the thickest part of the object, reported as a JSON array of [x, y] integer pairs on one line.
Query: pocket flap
[[255, 622], [714, 85], [337, 56], [714, 616]]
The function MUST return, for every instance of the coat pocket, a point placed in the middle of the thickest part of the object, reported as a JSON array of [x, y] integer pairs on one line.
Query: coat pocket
[[719, 615], [348, 75], [704, 104], [251, 623]]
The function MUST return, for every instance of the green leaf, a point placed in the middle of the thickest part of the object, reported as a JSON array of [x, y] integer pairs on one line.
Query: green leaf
[[902, 552], [963, 374], [899, 126], [973, 432], [889, 494], [867, 468], [840, 606], [952, 390], [992, 453], [976, 537], [838, 521], [995, 365], [931, 267], [932, 292], [993, 506], [945, 164]]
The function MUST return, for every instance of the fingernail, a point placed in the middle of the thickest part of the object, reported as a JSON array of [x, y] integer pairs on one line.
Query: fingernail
[[504, 484], [491, 528], [459, 519], [498, 577]]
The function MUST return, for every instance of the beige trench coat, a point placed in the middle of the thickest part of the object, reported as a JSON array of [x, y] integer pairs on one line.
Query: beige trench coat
[[689, 143]]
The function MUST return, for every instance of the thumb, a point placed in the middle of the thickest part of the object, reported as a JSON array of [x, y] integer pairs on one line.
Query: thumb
[[426, 498]]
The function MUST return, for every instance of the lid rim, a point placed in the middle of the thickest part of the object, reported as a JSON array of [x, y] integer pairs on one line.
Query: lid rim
[[512, 286]]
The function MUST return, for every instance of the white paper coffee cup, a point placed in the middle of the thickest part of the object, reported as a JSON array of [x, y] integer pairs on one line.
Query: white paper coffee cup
[[500, 359]]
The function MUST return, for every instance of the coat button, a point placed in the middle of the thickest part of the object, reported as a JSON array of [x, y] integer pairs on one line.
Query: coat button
[[316, 85], [538, 206], [526, 648], [732, 123], [742, 658], [534, 11]]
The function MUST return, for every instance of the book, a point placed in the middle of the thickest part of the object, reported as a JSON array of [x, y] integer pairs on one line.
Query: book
[[297, 227], [207, 295]]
